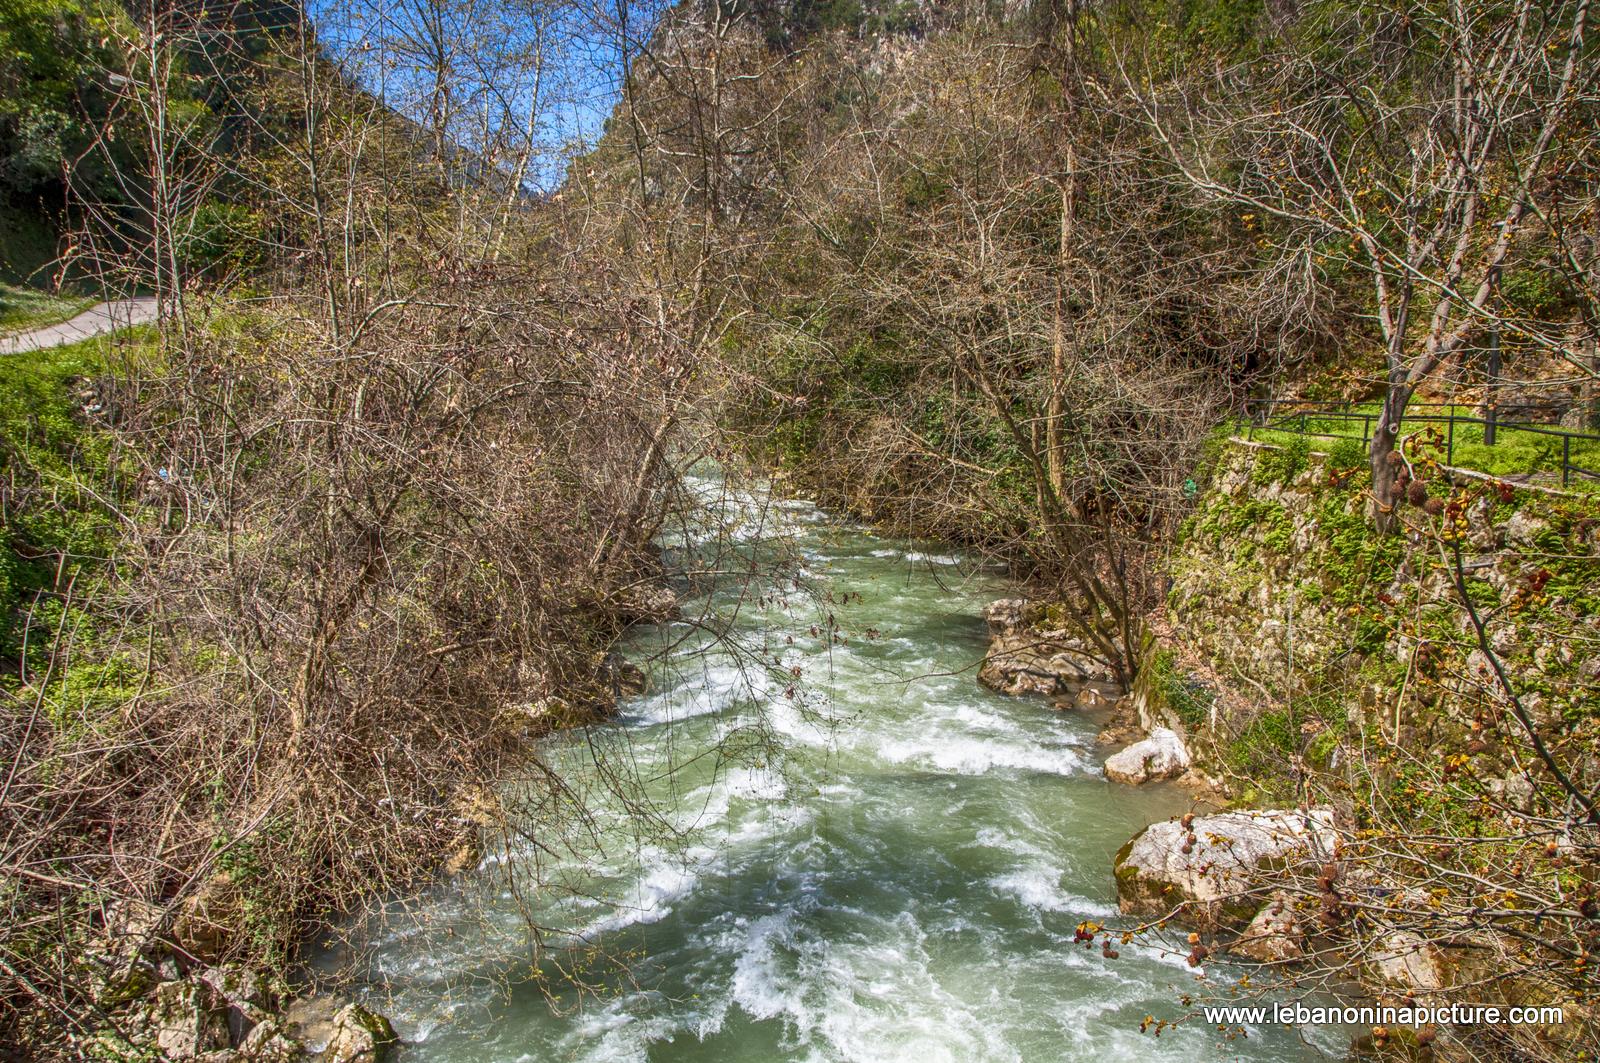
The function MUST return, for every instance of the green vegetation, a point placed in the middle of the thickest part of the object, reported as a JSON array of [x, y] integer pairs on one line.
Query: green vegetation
[[1516, 452], [48, 448], [1188, 697], [28, 308]]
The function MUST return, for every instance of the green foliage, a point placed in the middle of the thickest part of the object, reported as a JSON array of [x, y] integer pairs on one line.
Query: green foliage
[[55, 471], [1516, 452], [1227, 524], [1347, 453], [1262, 749], [1355, 558], [1543, 294], [1189, 698], [1319, 751], [1228, 27], [53, 92], [1282, 465], [221, 241]]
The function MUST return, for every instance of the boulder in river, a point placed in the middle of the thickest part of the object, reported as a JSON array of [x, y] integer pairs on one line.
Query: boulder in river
[[1406, 962], [1160, 756], [1211, 872], [1273, 936], [1030, 654], [359, 1036]]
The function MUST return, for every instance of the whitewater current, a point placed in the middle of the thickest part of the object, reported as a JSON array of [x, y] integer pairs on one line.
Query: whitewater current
[[848, 849]]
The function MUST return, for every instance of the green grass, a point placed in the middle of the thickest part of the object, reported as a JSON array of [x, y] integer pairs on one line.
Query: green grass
[[56, 466], [1515, 453], [24, 308]]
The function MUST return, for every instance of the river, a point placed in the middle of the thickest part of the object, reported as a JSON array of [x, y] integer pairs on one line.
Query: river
[[876, 859]]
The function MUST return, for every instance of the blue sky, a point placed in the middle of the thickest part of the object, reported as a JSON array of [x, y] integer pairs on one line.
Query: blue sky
[[498, 53]]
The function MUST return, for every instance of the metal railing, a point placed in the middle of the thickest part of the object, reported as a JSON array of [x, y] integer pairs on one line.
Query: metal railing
[[1283, 415]]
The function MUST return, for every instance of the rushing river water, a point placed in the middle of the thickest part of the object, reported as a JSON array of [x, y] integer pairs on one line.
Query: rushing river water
[[890, 867]]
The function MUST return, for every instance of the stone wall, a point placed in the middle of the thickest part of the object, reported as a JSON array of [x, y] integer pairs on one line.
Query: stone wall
[[1289, 625]]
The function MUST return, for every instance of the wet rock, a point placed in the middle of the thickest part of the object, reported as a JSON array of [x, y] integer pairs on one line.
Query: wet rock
[[268, 1042], [1215, 867], [623, 678], [1273, 936], [359, 1036], [309, 1020], [1028, 656], [1161, 756], [1122, 728], [1092, 699]]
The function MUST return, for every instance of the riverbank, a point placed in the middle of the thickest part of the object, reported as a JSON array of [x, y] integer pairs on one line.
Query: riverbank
[[1409, 689]]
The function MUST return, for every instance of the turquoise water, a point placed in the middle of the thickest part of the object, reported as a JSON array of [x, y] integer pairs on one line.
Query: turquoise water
[[876, 859]]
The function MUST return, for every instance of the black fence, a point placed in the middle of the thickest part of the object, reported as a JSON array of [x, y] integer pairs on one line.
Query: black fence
[[1301, 417]]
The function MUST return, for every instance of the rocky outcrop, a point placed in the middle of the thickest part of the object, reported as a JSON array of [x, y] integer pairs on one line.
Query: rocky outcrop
[[268, 1042], [359, 1036], [1273, 936], [181, 1020], [244, 1000], [1210, 870], [218, 1014], [1406, 963], [1029, 653], [1160, 756]]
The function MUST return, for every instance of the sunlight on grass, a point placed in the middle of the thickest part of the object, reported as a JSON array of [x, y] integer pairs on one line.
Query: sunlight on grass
[[1516, 452], [24, 308]]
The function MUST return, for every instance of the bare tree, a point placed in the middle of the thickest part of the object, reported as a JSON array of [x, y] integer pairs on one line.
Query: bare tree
[[1419, 146]]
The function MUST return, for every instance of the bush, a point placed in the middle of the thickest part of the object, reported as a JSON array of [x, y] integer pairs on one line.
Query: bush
[[1189, 698], [1284, 463], [1347, 454], [221, 241]]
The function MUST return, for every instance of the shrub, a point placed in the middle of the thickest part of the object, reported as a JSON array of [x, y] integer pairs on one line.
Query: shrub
[[1284, 463]]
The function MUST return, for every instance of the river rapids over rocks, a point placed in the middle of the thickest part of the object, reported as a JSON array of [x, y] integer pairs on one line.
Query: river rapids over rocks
[[851, 850]]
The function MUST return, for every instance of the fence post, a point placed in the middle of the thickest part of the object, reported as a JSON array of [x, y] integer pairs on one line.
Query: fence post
[[1450, 438], [1366, 429], [1566, 460], [1490, 403]]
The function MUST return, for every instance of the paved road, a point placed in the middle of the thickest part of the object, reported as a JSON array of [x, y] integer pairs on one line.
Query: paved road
[[107, 317]]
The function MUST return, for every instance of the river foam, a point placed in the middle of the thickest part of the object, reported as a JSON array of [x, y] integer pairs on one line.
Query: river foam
[[875, 860]]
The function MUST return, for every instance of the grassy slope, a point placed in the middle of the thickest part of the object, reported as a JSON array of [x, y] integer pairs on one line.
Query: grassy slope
[[49, 451], [1515, 453], [27, 256], [23, 308]]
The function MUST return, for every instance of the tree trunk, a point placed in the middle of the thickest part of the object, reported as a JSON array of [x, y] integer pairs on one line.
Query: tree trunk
[[1384, 471]]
